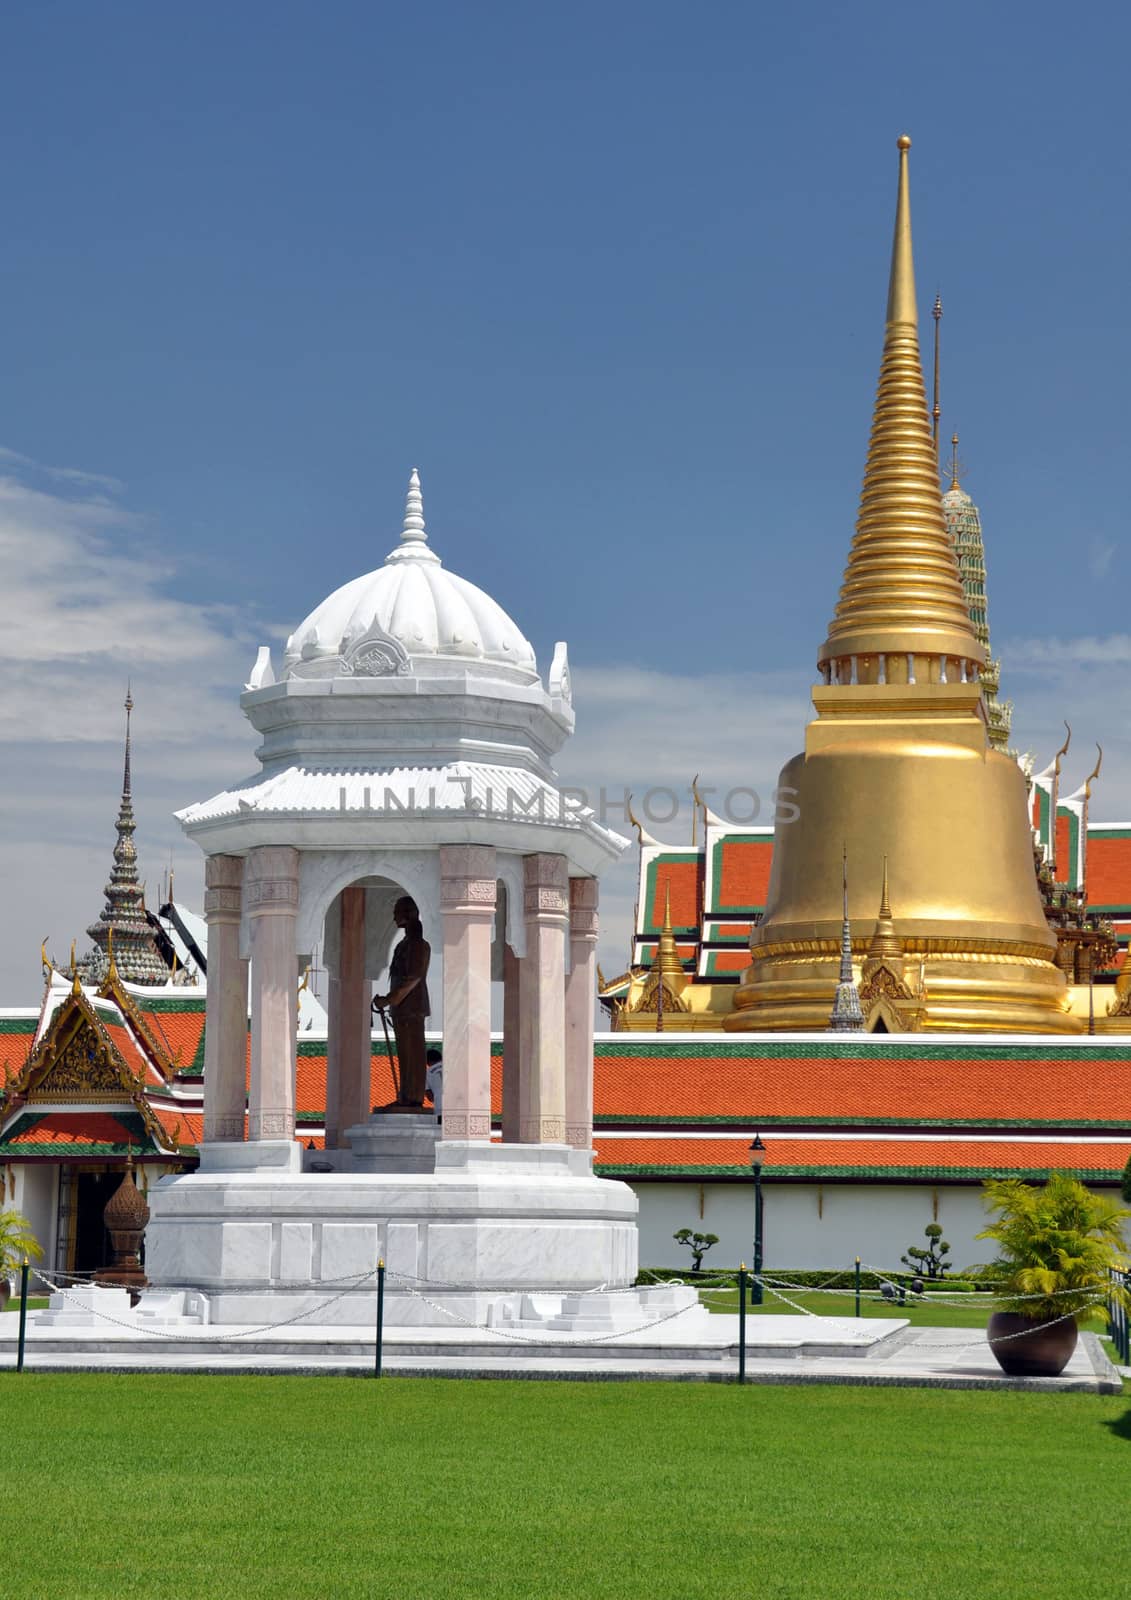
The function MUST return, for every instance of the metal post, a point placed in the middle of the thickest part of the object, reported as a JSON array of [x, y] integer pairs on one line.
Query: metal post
[[857, 1285], [756, 1292], [23, 1315], [742, 1323], [380, 1317]]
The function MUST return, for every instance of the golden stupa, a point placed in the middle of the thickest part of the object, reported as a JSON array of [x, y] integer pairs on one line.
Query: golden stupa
[[898, 764]]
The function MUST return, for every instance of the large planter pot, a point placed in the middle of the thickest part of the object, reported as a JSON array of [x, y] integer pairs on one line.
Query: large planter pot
[[5, 1292], [1027, 1349]]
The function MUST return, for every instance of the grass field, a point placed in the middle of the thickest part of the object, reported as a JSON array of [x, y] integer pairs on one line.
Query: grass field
[[958, 1314], [237, 1486]]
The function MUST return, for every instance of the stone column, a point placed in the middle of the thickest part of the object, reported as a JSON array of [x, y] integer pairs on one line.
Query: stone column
[[542, 1000], [348, 1046], [271, 889], [512, 1043], [580, 999], [225, 1024], [467, 901]]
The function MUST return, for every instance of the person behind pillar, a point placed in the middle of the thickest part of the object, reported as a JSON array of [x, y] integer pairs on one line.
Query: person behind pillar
[[434, 1082], [407, 1001]]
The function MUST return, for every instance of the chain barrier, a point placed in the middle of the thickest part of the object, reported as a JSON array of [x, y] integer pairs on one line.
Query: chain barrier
[[526, 1338], [202, 1335]]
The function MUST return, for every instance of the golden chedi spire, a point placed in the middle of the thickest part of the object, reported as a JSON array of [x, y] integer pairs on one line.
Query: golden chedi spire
[[885, 943], [667, 952], [901, 609], [897, 764]]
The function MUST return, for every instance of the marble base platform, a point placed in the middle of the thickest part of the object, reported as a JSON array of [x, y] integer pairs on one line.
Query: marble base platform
[[269, 1241], [401, 1141]]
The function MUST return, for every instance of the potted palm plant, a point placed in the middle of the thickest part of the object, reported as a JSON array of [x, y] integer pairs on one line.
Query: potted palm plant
[[1058, 1246], [16, 1242]]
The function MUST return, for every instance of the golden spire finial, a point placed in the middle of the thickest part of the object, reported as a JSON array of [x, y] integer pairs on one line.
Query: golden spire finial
[[76, 986], [902, 594], [885, 941], [954, 461], [668, 953], [112, 971], [901, 283], [936, 409]]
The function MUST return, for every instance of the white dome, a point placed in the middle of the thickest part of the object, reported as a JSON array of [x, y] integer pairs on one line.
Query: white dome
[[413, 603]]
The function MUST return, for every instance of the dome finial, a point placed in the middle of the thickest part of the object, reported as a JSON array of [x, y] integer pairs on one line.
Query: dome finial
[[414, 531], [413, 543]]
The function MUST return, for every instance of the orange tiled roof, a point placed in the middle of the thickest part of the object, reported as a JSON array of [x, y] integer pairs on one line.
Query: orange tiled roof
[[744, 871], [17, 1039], [66, 1133], [1017, 1084], [187, 1126], [1109, 869], [864, 1157], [683, 879], [182, 1029], [139, 1065]]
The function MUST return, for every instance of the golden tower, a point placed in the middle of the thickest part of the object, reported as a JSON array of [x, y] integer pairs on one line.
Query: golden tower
[[897, 762]]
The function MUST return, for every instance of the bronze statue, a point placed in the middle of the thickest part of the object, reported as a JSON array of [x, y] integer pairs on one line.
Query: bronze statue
[[407, 1002]]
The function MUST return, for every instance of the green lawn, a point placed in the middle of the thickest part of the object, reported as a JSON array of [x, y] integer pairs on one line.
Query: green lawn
[[321, 1487], [967, 1311]]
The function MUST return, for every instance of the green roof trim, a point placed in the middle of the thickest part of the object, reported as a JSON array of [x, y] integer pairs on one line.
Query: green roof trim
[[138, 1139], [168, 1003], [825, 1047], [20, 1025]]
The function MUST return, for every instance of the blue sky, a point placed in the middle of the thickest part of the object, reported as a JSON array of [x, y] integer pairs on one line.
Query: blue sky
[[613, 277]]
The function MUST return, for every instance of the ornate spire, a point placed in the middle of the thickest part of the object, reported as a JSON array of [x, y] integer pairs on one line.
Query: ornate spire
[[885, 942], [413, 544], [901, 594], [122, 933], [965, 528], [846, 1015], [936, 409], [667, 952]]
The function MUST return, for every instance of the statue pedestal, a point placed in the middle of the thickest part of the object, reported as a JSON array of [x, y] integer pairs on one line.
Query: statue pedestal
[[484, 1221], [390, 1142]]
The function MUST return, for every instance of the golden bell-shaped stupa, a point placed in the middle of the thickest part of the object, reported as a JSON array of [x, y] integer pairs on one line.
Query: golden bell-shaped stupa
[[898, 763]]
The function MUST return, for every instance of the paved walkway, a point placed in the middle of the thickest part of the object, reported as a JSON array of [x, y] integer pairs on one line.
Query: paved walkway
[[780, 1350]]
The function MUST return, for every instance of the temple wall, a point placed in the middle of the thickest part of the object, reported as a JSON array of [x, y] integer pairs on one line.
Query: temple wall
[[807, 1225], [37, 1189]]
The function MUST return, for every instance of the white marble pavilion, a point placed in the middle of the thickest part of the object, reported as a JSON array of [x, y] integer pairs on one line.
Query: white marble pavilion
[[406, 746]]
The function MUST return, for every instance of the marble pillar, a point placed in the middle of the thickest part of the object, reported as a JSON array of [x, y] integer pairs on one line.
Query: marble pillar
[[225, 1030], [580, 999], [271, 892], [512, 1027], [467, 903], [542, 1000], [348, 1045]]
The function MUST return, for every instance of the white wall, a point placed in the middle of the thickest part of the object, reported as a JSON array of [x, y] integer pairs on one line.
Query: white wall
[[36, 1190], [808, 1225]]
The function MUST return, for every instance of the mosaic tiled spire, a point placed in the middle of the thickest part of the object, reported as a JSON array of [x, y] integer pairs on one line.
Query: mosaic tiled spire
[[122, 933], [846, 1016], [965, 527]]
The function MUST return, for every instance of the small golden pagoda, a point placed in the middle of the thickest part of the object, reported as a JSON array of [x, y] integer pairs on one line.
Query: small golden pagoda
[[898, 763]]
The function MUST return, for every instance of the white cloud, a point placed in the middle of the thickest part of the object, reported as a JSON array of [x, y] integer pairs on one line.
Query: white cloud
[[85, 606], [1048, 654], [642, 731]]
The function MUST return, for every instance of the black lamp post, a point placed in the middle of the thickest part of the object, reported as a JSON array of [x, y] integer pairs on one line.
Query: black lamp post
[[757, 1156]]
